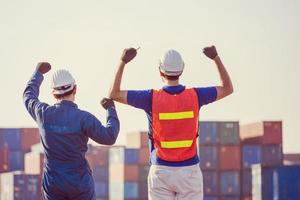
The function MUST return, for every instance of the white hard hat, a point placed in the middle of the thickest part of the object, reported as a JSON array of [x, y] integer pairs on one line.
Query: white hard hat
[[171, 63], [62, 82]]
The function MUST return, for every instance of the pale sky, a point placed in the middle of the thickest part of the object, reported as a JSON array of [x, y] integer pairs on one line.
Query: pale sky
[[258, 41]]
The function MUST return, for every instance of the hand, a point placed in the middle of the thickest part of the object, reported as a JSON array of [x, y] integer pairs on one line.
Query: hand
[[210, 52], [43, 67], [106, 103], [128, 55]]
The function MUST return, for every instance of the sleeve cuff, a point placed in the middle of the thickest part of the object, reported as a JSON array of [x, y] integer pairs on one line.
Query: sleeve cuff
[[38, 76]]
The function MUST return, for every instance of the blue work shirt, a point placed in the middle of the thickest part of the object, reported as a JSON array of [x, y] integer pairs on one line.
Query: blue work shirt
[[65, 131], [142, 99]]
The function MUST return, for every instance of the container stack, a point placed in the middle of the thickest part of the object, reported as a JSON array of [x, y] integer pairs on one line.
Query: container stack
[[97, 156], [220, 159], [261, 144], [279, 182], [14, 143], [128, 168]]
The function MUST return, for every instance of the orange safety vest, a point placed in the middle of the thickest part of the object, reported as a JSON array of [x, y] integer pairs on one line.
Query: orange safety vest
[[175, 124]]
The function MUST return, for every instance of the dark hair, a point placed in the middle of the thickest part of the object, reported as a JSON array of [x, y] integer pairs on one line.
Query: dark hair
[[172, 78], [60, 96]]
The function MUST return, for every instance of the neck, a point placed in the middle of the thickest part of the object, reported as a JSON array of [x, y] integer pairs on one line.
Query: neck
[[171, 82]]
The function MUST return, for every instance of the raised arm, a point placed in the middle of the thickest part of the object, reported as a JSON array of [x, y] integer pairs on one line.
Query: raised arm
[[226, 87], [31, 92], [115, 92]]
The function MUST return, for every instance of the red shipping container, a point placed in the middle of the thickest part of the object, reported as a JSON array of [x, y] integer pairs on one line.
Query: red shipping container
[[131, 173], [4, 159], [266, 132], [144, 156], [30, 136], [34, 163], [247, 198], [97, 156], [137, 140], [230, 157]]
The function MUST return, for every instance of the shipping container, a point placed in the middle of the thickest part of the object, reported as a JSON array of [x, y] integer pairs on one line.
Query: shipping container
[[16, 160], [247, 197], [119, 155], [229, 133], [4, 159], [37, 148], [143, 190], [210, 182], [116, 190], [131, 190], [208, 133], [272, 155], [34, 163], [276, 183], [291, 159], [251, 155], [137, 139], [229, 198], [97, 156], [131, 173], [143, 173], [101, 189], [246, 182], [144, 156], [266, 132], [19, 186], [11, 137], [116, 173], [230, 183], [100, 173], [209, 157], [230, 157], [29, 137]]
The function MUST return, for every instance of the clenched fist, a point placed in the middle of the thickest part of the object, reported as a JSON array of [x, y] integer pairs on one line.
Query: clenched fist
[[43, 67], [128, 55], [106, 103], [210, 52]]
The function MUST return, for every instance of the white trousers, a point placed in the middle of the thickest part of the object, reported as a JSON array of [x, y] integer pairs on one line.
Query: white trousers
[[175, 183]]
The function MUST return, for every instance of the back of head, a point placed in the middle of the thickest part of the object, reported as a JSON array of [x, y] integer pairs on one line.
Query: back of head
[[171, 64], [63, 83]]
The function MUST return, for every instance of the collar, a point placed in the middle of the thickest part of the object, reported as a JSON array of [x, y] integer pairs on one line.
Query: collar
[[66, 103], [174, 89]]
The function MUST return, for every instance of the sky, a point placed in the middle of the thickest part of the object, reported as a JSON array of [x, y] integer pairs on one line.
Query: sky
[[258, 42]]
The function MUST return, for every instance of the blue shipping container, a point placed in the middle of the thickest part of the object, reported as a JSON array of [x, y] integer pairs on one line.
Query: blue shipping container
[[101, 189], [230, 182], [100, 173], [131, 156], [16, 160], [251, 155], [208, 133], [210, 183], [11, 137], [280, 183], [131, 190], [209, 157]]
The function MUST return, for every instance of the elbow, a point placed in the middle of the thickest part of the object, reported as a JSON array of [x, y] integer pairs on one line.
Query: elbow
[[230, 90]]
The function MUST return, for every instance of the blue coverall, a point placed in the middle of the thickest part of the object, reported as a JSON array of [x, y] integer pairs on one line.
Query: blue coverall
[[65, 131]]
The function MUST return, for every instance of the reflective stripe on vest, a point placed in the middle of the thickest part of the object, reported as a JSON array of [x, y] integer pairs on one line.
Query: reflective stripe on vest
[[176, 115], [176, 144]]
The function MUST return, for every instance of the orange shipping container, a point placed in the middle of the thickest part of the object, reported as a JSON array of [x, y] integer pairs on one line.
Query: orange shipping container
[[131, 173], [230, 157]]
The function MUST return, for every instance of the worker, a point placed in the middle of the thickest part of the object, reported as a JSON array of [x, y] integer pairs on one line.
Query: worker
[[65, 131], [173, 115]]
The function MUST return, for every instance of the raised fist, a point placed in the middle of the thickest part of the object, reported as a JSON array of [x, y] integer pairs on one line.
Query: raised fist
[[210, 52], [43, 67]]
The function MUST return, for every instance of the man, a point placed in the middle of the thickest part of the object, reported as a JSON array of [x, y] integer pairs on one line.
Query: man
[[65, 131], [173, 115]]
